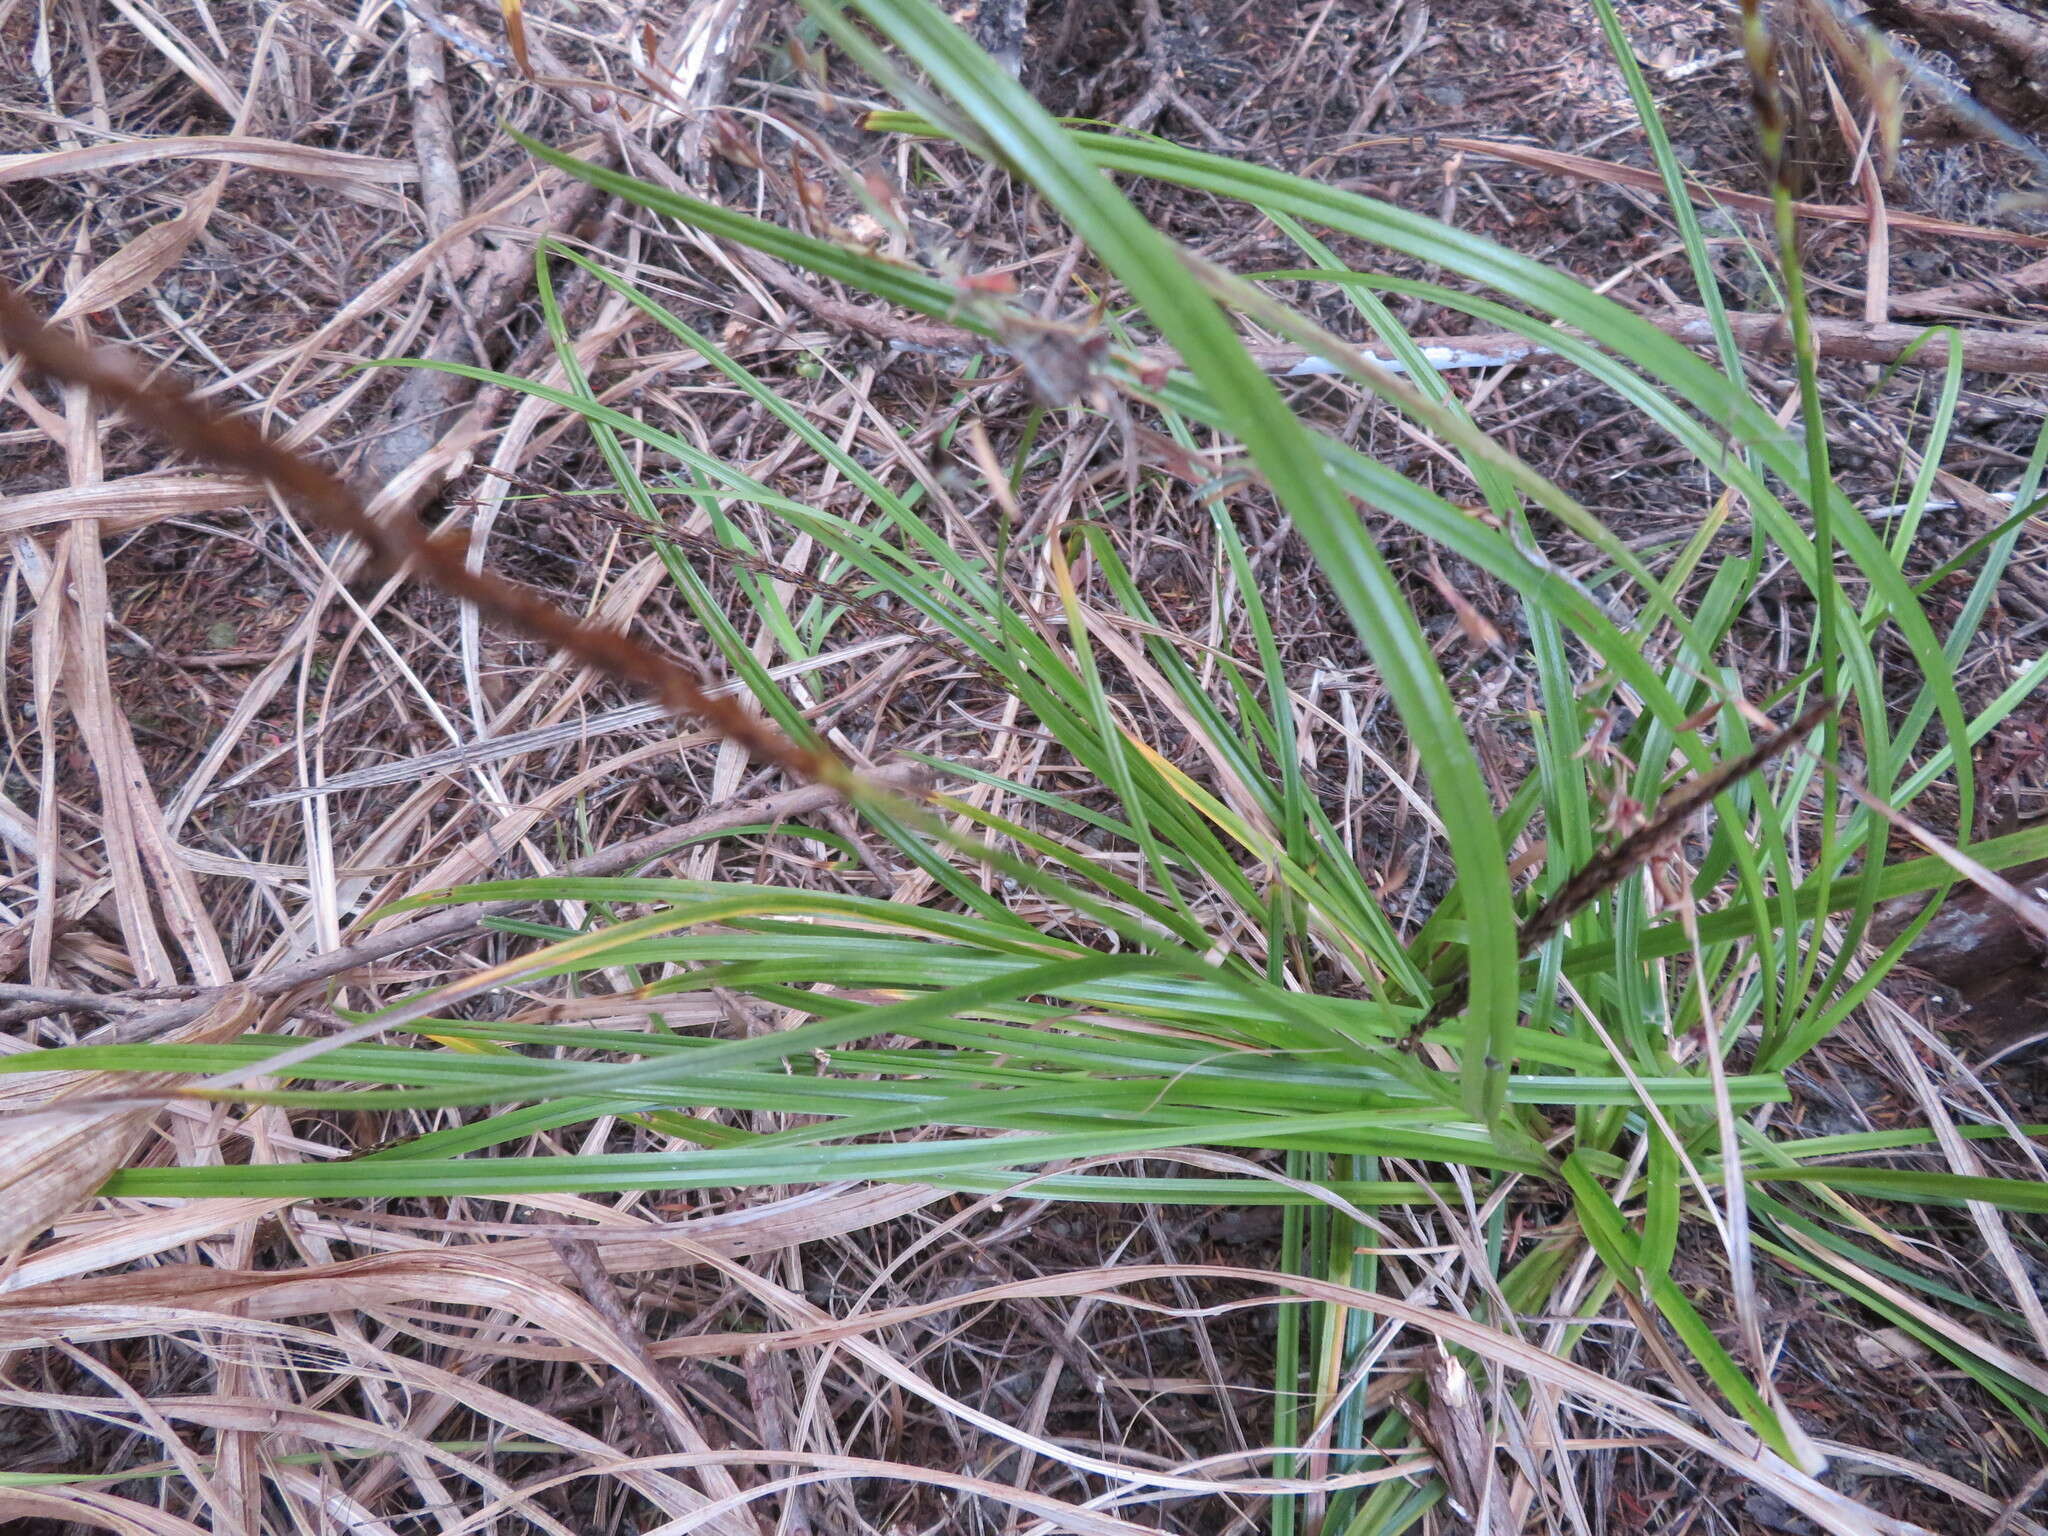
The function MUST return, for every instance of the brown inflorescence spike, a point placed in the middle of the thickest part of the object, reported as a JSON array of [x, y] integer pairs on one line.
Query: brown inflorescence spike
[[173, 414], [1609, 868]]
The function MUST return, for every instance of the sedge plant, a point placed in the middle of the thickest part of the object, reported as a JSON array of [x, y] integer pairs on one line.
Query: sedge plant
[[1194, 954]]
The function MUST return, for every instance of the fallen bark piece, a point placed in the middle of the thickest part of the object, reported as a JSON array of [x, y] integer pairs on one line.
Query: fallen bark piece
[[2002, 53]]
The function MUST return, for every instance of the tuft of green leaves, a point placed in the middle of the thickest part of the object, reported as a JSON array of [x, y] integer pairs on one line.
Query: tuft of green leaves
[[1193, 955]]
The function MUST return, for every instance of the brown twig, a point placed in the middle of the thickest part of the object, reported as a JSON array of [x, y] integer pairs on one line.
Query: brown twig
[[1855, 341], [2006, 287], [1859, 341], [425, 396], [1584, 168], [873, 321], [1842, 340]]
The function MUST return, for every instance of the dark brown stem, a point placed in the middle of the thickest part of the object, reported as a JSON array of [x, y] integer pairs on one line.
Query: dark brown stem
[[1606, 870], [442, 559]]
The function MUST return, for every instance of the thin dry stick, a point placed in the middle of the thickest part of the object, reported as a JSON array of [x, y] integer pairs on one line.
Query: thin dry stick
[[441, 559]]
